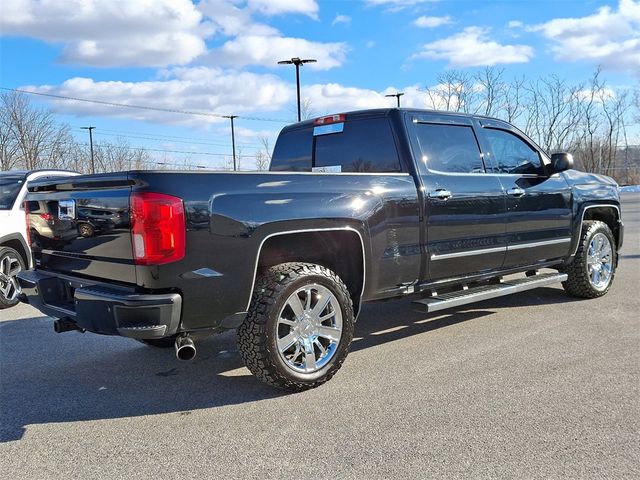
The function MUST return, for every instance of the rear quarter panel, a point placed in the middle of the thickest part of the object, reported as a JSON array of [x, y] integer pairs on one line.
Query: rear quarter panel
[[230, 215]]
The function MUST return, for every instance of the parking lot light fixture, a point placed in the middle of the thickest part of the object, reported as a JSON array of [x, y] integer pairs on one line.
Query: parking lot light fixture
[[298, 63], [397, 95]]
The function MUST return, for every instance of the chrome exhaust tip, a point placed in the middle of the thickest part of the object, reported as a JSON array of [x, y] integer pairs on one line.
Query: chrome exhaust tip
[[185, 348]]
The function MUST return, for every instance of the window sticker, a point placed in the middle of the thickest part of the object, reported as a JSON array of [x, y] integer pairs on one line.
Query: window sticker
[[328, 169], [328, 129]]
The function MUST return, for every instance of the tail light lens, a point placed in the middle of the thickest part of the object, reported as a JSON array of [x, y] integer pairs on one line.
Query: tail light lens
[[158, 229], [46, 216]]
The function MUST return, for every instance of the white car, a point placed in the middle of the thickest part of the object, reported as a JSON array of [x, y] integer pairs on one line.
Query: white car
[[14, 249]]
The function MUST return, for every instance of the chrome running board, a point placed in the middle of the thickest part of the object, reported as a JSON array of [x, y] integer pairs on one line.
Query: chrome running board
[[485, 292]]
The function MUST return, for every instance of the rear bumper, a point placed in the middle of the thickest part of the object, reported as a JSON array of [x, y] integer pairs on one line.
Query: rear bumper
[[102, 308]]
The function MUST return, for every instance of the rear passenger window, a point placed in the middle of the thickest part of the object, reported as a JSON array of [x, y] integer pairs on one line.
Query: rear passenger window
[[292, 152], [362, 146], [449, 148]]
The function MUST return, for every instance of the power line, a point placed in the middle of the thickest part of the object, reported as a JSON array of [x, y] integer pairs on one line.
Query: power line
[[141, 107], [170, 137], [144, 149], [124, 135]]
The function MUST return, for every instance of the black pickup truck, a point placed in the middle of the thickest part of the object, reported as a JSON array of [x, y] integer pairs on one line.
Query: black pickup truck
[[356, 207]]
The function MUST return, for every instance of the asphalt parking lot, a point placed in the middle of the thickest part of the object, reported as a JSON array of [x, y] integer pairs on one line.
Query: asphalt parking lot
[[535, 385]]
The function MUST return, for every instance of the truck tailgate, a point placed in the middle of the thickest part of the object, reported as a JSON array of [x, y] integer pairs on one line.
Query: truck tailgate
[[80, 226]]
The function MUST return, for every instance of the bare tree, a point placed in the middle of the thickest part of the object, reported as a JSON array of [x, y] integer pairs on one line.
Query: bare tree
[[490, 90], [8, 144], [31, 138], [306, 109], [263, 156]]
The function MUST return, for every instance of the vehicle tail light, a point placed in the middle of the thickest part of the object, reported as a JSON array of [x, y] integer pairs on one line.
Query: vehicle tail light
[[158, 228], [46, 216], [330, 119]]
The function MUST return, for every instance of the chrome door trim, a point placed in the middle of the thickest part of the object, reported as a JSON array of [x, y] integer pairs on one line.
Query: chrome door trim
[[444, 256], [482, 251], [555, 241], [308, 230]]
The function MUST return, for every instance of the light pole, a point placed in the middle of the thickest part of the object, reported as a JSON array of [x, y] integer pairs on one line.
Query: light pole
[[297, 62], [233, 140], [93, 167], [397, 95]]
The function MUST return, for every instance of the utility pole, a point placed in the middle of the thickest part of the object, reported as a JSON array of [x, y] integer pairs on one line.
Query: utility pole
[[397, 95], [233, 140], [298, 63], [93, 166]]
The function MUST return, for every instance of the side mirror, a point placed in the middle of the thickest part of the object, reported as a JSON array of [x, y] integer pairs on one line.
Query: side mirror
[[561, 162]]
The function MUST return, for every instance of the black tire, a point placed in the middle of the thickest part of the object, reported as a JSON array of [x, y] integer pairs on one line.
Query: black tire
[[10, 259], [579, 282], [166, 342], [257, 335]]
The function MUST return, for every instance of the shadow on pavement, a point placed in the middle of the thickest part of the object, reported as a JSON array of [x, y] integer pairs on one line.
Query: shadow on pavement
[[48, 378]]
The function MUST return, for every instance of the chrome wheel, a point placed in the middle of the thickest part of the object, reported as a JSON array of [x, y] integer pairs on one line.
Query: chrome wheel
[[309, 328], [599, 261], [10, 266]]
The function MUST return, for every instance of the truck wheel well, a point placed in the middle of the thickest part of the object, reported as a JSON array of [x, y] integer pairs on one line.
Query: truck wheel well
[[18, 247], [339, 251], [608, 215]]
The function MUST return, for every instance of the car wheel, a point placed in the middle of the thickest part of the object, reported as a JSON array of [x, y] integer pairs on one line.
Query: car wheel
[[592, 270], [299, 326], [11, 263], [86, 230]]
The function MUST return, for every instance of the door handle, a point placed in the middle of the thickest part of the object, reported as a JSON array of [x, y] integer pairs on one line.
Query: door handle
[[440, 194], [516, 192]]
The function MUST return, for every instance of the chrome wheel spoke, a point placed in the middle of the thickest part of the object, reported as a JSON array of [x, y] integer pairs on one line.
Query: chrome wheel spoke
[[321, 304], [296, 306], [309, 357], [286, 342], [307, 302], [286, 321], [326, 317], [330, 333], [318, 344]]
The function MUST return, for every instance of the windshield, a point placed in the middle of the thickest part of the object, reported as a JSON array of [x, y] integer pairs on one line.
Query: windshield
[[10, 186]]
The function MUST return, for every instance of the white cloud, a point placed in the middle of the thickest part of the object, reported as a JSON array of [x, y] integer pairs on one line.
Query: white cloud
[[432, 22], [608, 37], [335, 98], [341, 19], [254, 43], [113, 33], [198, 89], [473, 47], [515, 24], [277, 7], [231, 20], [397, 4], [268, 50]]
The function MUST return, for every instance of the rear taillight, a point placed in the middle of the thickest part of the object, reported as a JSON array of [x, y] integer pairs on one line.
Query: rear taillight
[[46, 216], [158, 228]]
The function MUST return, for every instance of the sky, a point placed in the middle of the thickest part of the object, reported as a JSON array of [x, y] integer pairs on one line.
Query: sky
[[219, 57]]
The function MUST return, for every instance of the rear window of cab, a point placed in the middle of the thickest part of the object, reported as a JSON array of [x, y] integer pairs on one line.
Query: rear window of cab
[[365, 145]]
